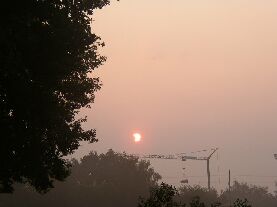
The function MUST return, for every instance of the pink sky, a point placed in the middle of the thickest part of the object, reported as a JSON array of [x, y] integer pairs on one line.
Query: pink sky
[[190, 74]]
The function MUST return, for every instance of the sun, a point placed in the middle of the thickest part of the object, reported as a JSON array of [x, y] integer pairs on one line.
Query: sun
[[137, 137]]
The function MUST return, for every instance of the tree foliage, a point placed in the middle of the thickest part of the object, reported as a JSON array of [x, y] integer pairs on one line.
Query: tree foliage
[[104, 180], [241, 194], [256, 195], [242, 203], [168, 196], [47, 51], [189, 193], [162, 196]]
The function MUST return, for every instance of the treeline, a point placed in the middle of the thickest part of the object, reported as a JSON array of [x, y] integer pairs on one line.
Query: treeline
[[111, 179], [120, 180], [241, 195]]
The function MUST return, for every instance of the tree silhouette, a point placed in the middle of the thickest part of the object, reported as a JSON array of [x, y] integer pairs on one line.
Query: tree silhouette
[[167, 196], [47, 51], [256, 195], [242, 203], [104, 180], [161, 196], [188, 193]]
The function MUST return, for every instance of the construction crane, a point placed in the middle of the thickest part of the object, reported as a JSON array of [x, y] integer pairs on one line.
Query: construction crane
[[184, 157], [207, 159]]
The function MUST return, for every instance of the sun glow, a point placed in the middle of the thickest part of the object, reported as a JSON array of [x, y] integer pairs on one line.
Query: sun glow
[[137, 137]]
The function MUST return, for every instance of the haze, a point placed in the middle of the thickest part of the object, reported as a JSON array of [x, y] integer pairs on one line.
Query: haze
[[190, 75]]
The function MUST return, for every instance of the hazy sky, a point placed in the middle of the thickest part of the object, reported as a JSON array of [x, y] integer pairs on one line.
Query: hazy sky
[[190, 75]]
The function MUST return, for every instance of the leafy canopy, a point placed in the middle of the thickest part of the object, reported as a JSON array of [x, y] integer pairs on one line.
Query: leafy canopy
[[47, 51], [109, 180], [167, 196]]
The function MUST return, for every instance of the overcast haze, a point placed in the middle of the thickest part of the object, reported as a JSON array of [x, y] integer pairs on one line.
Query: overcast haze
[[190, 75]]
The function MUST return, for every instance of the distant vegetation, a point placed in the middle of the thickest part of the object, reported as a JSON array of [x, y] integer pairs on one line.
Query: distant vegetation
[[256, 195], [117, 179], [241, 195], [111, 179]]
